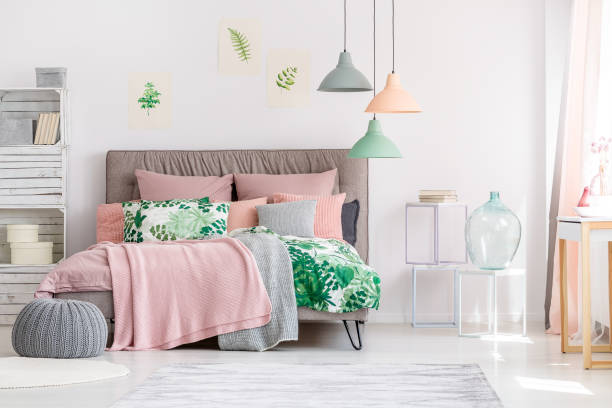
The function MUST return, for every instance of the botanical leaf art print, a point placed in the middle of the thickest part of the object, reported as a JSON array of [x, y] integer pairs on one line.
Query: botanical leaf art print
[[241, 45], [150, 97], [286, 78], [149, 100]]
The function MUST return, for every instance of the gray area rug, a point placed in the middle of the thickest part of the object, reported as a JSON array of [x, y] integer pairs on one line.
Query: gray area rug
[[314, 385]]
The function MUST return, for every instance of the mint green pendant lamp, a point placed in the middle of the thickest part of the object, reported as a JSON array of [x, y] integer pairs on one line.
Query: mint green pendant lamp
[[374, 144], [345, 77]]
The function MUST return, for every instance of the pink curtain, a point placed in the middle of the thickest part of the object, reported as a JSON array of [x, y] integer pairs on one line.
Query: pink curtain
[[575, 124]]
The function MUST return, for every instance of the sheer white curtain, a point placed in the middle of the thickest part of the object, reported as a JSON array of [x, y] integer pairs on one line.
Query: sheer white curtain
[[598, 165], [583, 155]]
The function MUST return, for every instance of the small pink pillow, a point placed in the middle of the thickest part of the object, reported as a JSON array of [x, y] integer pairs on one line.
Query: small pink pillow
[[160, 187], [249, 186], [109, 223], [328, 216], [243, 214]]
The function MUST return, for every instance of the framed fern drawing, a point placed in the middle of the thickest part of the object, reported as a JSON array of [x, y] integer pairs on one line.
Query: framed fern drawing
[[239, 46], [149, 100], [288, 78]]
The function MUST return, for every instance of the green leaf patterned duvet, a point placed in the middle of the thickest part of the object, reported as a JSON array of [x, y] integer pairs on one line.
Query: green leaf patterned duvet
[[329, 275]]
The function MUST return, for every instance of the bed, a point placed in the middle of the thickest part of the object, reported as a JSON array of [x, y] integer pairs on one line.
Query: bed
[[352, 179]]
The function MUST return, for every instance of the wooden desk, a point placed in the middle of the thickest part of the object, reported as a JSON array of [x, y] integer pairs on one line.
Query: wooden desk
[[584, 231]]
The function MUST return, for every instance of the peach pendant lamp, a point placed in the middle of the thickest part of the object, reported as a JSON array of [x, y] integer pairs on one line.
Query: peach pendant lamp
[[393, 98], [374, 144]]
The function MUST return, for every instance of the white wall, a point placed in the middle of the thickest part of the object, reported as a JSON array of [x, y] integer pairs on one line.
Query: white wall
[[475, 66]]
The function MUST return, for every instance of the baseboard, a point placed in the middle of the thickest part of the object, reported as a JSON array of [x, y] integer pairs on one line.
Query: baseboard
[[382, 317]]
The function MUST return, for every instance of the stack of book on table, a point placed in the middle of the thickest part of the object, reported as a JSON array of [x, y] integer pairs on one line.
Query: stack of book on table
[[438, 196], [47, 128]]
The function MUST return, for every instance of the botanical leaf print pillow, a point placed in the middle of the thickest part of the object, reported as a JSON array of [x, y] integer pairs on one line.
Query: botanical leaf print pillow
[[177, 219]]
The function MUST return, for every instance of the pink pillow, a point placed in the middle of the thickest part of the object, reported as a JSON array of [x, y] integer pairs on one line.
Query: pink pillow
[[243, 214], [109, 223], [85, 271], [328, 216], [249, 186], [160, 187]]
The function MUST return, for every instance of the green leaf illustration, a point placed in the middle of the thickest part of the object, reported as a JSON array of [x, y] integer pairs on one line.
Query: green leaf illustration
[[150, 98], [241, 45], [286, 78], [344, 275], [138, 219]]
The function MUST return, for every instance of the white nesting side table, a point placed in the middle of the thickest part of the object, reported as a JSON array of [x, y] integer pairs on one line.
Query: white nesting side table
[[435, 243], [584, 231], [430, 269], [492, 275]]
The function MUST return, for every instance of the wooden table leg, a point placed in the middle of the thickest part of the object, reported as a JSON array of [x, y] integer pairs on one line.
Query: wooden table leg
[[563, 295], [586, 295], [610, 290]]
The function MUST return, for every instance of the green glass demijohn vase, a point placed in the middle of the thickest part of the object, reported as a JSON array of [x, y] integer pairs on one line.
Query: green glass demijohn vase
[[492, 234]]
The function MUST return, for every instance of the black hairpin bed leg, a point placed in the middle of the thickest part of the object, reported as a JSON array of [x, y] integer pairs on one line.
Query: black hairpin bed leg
[[357, 322]]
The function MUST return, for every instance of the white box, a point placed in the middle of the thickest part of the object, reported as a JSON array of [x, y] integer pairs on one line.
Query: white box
[[31, 253], [51, 77], [22, 233]]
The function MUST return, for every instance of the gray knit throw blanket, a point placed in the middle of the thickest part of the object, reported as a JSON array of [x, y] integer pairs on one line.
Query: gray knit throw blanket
[[276, 271]]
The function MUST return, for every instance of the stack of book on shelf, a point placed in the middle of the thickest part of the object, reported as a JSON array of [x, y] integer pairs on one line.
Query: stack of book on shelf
[[47, 129], [438, 196]]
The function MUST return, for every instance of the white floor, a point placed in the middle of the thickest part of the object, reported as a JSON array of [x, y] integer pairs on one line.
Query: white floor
[[526, 373]]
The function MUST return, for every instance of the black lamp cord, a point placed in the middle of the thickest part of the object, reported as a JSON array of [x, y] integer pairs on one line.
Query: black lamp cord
[[344, 25], [393, 33], [374, 81]]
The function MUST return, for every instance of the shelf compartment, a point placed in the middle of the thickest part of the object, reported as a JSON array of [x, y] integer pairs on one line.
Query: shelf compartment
[[20, 111], [51, 229], [30, 175]]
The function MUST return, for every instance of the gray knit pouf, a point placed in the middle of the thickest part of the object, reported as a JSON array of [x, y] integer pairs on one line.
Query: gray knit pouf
[[57, 328]]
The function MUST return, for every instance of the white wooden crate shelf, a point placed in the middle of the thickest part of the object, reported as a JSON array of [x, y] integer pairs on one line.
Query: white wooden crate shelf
[[32, 191]]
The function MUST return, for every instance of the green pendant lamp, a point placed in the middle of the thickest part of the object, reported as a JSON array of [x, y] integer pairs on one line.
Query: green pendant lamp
[[345, 77], [374, 144]]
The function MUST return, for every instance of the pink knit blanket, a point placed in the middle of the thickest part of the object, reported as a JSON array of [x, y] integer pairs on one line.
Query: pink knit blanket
[[172, 293]]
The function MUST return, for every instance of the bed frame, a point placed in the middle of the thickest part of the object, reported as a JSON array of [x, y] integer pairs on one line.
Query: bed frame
[[352, 179]]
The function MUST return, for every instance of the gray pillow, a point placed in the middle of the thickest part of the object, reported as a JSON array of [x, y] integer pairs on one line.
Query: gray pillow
[[293, 218], [350, 214]]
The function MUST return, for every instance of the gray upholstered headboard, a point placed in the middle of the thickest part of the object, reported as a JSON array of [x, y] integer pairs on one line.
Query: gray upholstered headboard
[[352, 179]]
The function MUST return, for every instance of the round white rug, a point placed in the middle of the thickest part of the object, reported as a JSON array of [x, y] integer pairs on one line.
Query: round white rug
[[23, 372]]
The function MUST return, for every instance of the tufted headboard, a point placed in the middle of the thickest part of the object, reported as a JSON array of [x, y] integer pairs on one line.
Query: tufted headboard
[[352, 177]]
